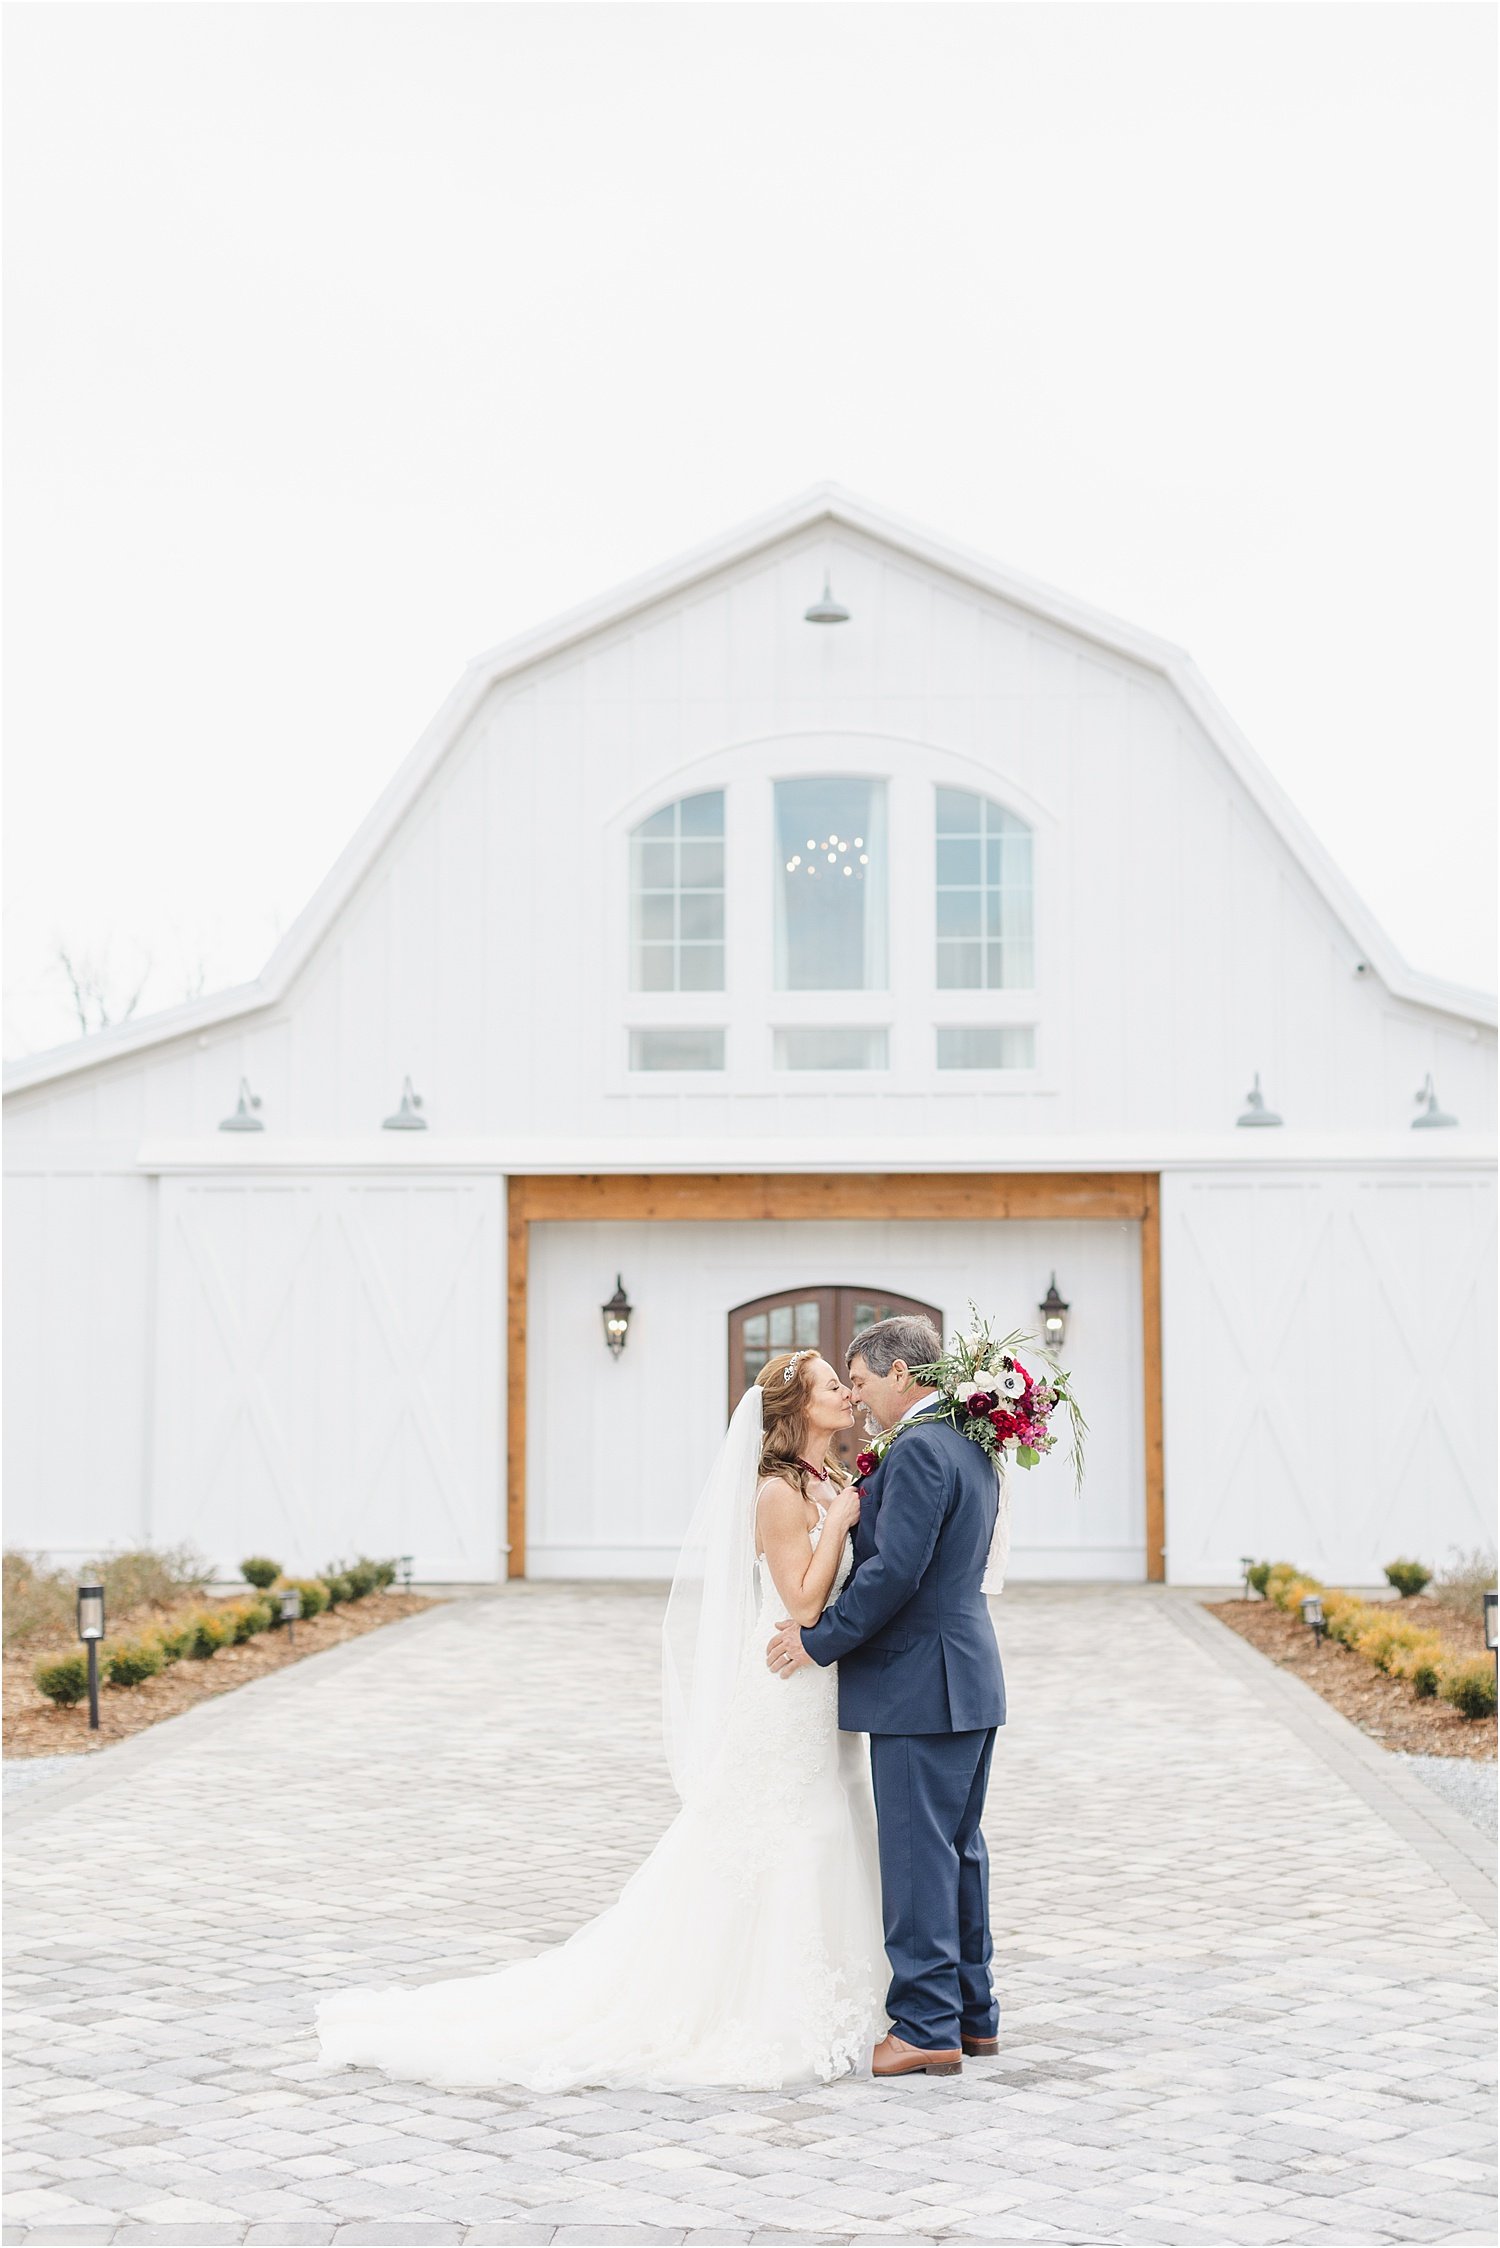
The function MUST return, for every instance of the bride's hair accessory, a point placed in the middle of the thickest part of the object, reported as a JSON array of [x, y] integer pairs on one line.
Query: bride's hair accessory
[[794, 1362]]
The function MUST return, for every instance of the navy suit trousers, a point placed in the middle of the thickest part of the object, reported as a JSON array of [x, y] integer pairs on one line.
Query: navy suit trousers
[[935, 1883]]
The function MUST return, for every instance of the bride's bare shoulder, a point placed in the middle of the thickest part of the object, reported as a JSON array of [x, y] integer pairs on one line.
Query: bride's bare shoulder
[[778, 1491]]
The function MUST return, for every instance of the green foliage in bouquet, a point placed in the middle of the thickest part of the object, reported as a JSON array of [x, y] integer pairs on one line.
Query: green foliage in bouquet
[[993, 1398]]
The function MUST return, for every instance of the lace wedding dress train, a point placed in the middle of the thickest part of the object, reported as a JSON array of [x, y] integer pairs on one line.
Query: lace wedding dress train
[[746, 1952]]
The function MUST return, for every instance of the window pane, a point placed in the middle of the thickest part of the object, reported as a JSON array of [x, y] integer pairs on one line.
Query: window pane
[[805, 1325], [960, 967], [781, 1327], [959, 862], [703, 915], [677, 896], [701, 866], [700, 967], [989, 1046], [842, 1048], [703, 815], [830, 884], [656, 866], [957, 812], [958, 913], [677, 1049], [654, 918]]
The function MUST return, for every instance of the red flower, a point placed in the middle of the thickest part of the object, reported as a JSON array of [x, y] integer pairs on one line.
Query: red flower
[[1003, 1423], [866, 1463], [1020, 1369]]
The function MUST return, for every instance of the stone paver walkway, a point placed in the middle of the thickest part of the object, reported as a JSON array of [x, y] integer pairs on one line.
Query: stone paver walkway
[[1244, 1961]]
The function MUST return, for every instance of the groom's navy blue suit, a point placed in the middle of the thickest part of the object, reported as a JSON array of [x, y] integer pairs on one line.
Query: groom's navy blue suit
[[919, 1671]]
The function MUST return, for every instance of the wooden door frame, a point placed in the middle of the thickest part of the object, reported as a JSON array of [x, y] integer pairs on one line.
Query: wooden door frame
[[865, 1196]]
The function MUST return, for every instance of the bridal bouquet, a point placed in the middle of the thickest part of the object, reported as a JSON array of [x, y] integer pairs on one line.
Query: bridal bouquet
[[995, 1401]]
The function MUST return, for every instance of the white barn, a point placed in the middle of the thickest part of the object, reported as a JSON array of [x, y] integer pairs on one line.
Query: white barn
[[782, 968]]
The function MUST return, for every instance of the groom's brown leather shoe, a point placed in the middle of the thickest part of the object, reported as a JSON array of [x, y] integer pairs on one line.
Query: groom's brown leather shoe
[[983, 2047], [894, 2057]]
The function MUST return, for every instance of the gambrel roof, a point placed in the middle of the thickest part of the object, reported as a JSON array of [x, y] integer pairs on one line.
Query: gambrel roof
[[825, 505]]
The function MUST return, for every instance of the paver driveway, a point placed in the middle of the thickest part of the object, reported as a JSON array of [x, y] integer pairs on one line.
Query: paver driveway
[[1243, 1961]]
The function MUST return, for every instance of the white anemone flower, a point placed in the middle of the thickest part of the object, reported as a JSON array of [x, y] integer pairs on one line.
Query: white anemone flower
[[966, 1390], [1011, 1384]]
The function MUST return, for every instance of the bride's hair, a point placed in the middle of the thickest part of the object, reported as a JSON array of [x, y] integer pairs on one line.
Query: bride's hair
[[783, 1383]]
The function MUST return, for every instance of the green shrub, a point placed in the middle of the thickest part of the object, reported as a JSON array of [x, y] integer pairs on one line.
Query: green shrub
[[244, 1618], [134, 1660], [1256, 1577], [314, 1595], [65, 1680], [1408, 1577], [210, 1630], [339, 1587], [364, 1576], [1426, 1676], [260, 1572], [385, 1575], [174, 1640], [144, 1578], [1470, 1686]]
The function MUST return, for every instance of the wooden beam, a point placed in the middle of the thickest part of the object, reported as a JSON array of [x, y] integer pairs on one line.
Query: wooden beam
[[517, 1256], [1151, 1417], [870, 1196]]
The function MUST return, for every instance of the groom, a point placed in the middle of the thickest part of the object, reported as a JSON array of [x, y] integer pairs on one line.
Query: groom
[[919, 1671]]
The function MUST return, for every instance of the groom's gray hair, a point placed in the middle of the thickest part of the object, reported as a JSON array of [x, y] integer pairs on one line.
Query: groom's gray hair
[[912, 1339]]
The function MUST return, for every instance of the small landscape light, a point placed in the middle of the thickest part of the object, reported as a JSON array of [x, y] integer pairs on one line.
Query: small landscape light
[[1247, 1563], [406, 1562], [91, 1631], [617, 1316], [1491, 1630], [291, 1609], [1312, 1613]]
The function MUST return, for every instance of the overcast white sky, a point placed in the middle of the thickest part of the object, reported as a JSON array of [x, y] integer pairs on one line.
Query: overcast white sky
[[347, 340]]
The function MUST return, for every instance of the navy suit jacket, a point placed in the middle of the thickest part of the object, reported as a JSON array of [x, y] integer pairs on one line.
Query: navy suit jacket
[[910, 1631]]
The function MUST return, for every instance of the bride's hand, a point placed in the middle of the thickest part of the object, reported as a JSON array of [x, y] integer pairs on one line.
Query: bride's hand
[[843, 1513]]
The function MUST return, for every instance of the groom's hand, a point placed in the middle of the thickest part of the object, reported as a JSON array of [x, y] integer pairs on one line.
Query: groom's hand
[[786, 1653]]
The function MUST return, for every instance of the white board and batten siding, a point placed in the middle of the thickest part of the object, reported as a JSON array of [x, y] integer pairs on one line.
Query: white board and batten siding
[[328, 1370], [1329, 1354]]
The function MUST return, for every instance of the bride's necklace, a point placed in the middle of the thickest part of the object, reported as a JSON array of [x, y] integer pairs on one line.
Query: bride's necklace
[[820, 1472]]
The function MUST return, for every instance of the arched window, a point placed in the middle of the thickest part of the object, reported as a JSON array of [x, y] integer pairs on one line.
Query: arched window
[[984, 919], [677, 896]]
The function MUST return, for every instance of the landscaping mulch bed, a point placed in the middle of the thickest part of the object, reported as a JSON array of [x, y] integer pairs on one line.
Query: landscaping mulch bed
[[1384, 1708], [33, 1726]]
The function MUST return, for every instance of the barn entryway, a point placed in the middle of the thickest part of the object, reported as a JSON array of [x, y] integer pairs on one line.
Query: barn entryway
[[822, 1319], [607, 1453]]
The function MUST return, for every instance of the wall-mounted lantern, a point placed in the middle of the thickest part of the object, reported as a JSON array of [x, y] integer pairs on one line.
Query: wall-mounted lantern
[[617, 1314], [1256, 1111], [244, 1118], [406, 1118], [1054, 1316], [825, 610], [1432, 1117], [91, 1631]]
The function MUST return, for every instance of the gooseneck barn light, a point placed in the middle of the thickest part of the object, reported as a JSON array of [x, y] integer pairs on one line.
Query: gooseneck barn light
[[244, 1118], [1255, 1110], [406, 1118], [1432, 1117], [825, 610], [617, 1314]]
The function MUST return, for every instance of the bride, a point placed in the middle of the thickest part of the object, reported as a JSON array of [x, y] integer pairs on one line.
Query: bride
[[747, 1950]]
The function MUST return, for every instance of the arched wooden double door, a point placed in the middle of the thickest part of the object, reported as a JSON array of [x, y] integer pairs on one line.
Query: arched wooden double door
[[818, 1318]]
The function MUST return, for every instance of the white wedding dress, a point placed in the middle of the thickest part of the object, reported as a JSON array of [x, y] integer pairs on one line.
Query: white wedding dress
[[746, 1952]]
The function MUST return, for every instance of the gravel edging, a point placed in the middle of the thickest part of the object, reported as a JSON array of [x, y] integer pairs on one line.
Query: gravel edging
[[1473, 1789]]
